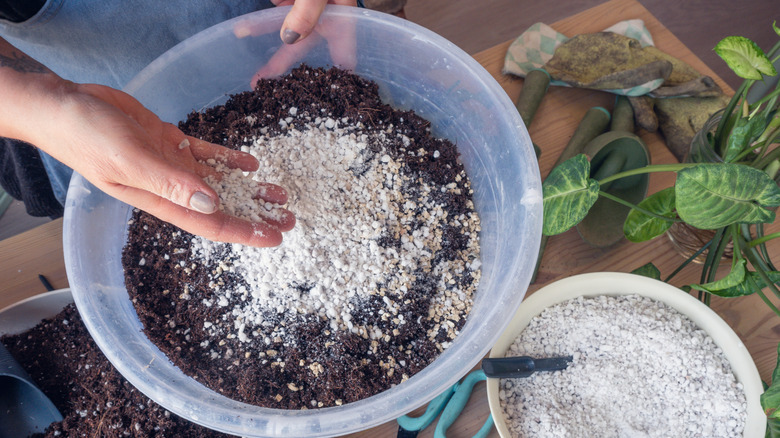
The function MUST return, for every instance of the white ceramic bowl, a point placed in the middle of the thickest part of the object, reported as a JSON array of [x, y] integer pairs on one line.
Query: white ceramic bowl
[[26, 314], [615, 284]]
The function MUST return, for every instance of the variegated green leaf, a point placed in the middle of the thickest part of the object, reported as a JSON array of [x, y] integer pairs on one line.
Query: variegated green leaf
[[745, 58], [640, 227], [568, 193], [648, 270], [742, 135], [732, 280], [710, 196], [751, 283], [770, 400]]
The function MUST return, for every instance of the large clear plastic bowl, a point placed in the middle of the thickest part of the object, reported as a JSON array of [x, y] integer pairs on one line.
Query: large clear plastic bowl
[[416, 70]]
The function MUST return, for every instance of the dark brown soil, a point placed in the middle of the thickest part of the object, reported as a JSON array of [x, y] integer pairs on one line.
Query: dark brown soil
[[94, 399], [323, 368]]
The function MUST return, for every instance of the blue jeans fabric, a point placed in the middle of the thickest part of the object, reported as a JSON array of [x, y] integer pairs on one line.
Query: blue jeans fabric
[[109, 41]]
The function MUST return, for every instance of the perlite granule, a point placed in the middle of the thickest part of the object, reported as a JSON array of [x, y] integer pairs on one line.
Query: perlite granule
[[639, 369], [375, 280], [346, 199]]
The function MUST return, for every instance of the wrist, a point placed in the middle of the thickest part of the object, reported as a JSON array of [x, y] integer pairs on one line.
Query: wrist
[[29, 89], [30, 101]]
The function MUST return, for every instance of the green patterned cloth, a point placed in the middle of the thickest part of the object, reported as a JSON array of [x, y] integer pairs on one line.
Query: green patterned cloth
[[5, 201], [536, 46]]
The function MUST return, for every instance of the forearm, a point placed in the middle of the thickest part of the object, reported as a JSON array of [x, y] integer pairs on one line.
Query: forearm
[[30, 92]]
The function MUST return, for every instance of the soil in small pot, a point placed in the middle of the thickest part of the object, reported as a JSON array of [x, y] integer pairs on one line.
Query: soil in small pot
[[372, 284], [93, 398]]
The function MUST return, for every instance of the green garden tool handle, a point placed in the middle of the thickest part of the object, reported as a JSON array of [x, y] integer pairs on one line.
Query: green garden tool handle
[[622, 116], [534, 88], [458, 402], [611, 165], [593, 123], [611, 153]]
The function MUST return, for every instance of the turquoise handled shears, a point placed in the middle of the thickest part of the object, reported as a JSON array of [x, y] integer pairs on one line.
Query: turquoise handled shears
[[449, 404]]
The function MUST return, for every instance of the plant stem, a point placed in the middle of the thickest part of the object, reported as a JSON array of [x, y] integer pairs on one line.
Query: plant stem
[[767, 302], [771, 132], [762, 247], [636, 207], [768, 158], [712, 262], [773, 49], [745, 152], [688, 261], [771, 98], [755, 259], [771, 127], [767, 280], [648, 169], [708, 272], [772, 168], [724, 120], [749, 254], [762, 239]]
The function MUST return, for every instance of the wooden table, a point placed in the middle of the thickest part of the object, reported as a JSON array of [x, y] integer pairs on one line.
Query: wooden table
[[39, 251]]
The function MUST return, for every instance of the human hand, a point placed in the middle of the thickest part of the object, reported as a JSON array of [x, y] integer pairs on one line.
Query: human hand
[[303, 17], [301, 30], [129, 153]]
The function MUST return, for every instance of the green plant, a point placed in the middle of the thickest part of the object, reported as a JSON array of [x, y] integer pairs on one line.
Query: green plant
[[770, 402], [736, 197]]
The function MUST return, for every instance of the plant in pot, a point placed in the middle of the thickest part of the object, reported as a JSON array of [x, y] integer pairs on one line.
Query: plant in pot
[[733, 191]]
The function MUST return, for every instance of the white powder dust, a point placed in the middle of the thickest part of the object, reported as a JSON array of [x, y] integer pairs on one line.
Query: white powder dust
[[640, 369], [346, 197]]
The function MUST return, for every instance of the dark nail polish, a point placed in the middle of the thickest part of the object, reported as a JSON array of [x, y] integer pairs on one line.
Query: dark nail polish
[[290, 36]]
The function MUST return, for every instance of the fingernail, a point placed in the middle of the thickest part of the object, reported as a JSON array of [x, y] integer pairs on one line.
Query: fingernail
[[202, 202], [242, 30], [290, 36]]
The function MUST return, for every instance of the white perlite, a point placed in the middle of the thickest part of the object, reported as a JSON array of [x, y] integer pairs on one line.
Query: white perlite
[[345, 198], [640, 369]]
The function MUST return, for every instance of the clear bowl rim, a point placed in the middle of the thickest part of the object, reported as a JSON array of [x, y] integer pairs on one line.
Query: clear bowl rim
[[431, 383]]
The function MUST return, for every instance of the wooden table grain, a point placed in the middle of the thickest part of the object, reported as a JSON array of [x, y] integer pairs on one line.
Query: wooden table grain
[[39, 251], [26, 256]]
